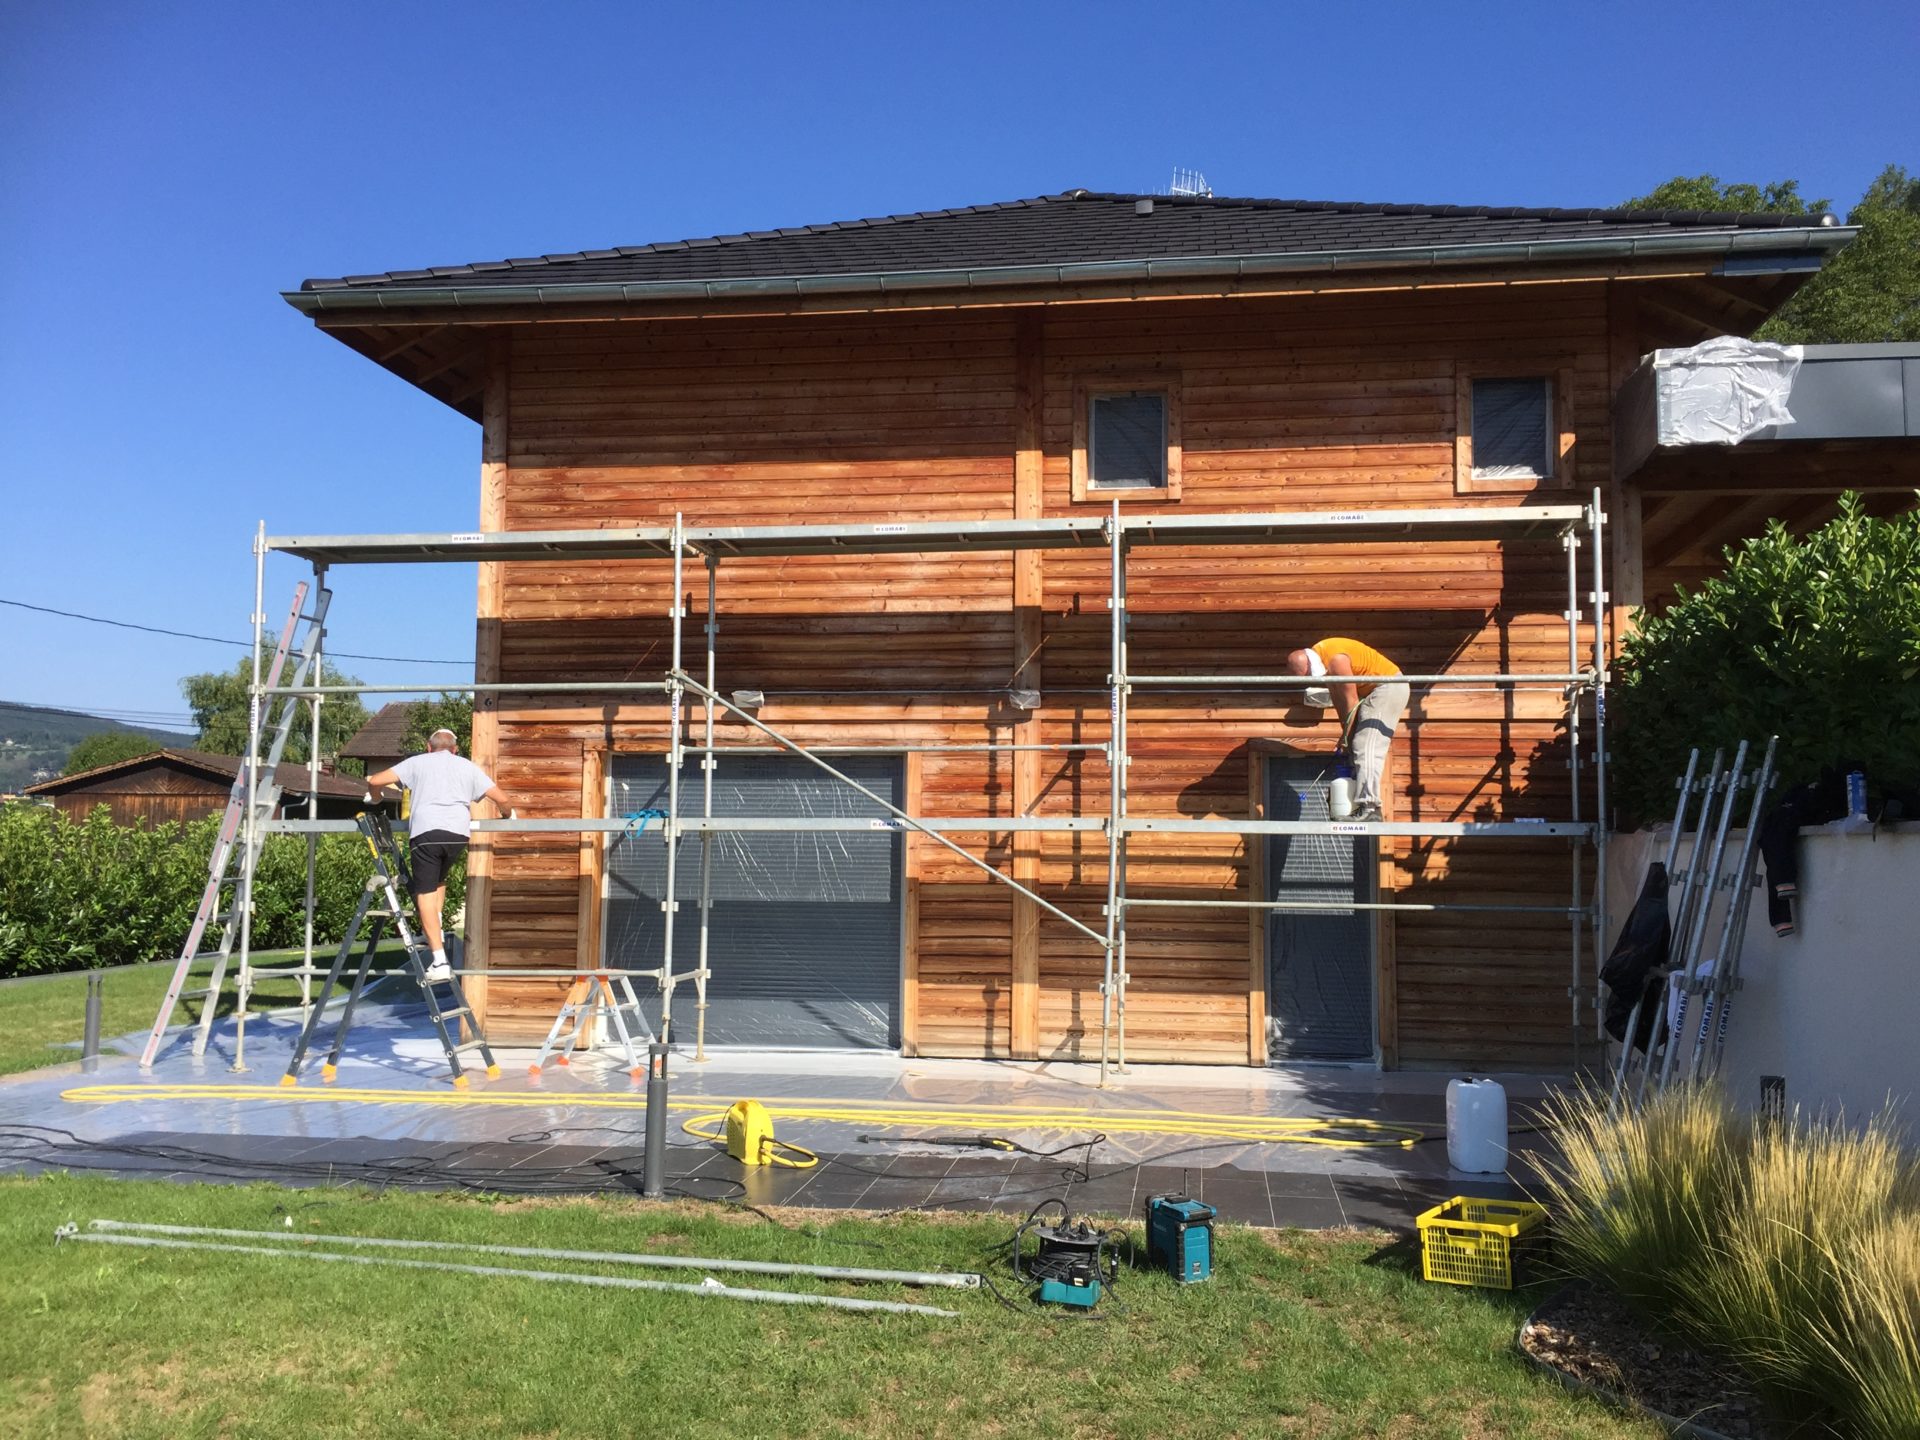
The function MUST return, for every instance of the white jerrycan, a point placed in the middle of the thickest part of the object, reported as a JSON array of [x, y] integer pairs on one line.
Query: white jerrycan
[[1477, 1126]]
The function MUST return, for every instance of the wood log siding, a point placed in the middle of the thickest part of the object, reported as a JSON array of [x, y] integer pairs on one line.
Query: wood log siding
[[1298, 403]]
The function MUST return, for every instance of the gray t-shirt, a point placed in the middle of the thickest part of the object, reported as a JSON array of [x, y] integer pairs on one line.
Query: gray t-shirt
[[443, 787]]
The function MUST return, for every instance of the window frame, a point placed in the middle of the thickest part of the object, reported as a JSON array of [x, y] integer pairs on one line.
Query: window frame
[[1559, 382], [1088, 387]]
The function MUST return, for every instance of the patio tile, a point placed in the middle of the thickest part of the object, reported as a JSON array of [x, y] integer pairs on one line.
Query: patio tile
[[1292, 1212]]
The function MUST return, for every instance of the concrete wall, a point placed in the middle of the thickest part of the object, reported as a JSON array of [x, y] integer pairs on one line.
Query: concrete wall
[[1835, 1007]]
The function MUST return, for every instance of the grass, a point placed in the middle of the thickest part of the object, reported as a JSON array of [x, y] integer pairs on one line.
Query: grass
[[1793, 1246], [1299, 1334], [39, 1016]]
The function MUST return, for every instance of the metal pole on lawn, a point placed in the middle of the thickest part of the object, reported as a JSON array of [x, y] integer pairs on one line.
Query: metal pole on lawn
[[653, 1161], [671, 831], [1570, 541], [313, 791], [243, 893], [708, 759]]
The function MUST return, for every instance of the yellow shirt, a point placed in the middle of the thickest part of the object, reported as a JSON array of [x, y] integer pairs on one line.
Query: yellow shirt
[[1364, 659]]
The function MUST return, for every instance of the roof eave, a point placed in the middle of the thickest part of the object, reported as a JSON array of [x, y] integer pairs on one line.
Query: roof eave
[[1789, 244]]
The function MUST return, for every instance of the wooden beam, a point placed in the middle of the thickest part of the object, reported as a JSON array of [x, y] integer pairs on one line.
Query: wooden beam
[[1625, 531], [1256, 919], [486, 657], [593, 853], [1028, 594], [912, 789], [407, 343], [1679, 532]]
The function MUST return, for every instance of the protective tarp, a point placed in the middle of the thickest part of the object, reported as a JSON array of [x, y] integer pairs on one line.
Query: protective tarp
[[1319, 961], [1723, 390], [804, 941]]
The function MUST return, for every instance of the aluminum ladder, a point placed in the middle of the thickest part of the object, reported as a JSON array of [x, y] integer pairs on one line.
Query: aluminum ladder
[[601, 995], [236, 848], [381, 903]]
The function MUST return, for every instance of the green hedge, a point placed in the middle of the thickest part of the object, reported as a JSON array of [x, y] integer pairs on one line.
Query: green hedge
[[1816, 640], [75, 895]]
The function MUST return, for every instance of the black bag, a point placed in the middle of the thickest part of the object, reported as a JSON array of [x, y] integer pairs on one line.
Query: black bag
[[1638, 964]]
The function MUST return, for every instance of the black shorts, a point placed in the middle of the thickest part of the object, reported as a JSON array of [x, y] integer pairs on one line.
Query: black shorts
[[431, 856]]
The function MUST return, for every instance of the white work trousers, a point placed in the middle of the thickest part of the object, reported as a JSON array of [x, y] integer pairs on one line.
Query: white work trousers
[[1375, 719]]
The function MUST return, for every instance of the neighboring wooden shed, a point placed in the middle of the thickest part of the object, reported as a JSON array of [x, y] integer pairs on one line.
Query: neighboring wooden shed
[[184, 785], [1044, 359]]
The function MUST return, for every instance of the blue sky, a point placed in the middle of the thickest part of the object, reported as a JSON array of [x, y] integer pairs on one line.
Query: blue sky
[[167, 169]]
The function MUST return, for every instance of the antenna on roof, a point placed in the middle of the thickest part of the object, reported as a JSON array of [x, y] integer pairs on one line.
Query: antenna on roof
[[1189, 182]]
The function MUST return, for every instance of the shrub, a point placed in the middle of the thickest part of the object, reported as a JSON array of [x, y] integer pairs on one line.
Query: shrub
[[1815, 640], [1643, 1196], [1794, 1247], [75, 895], [1787, 1271]]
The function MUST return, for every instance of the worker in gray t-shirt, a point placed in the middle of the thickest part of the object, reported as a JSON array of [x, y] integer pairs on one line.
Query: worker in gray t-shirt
[[442, 787]]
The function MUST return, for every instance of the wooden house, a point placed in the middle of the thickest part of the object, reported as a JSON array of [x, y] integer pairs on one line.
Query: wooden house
[[380, 744], [1048, 358], [187, 785]]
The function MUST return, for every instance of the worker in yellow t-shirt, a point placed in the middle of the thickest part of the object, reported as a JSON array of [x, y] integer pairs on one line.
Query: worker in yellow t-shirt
[[1369, 713]]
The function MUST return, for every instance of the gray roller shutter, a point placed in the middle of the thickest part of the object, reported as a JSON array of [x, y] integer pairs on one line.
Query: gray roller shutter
[[805, 939], [1320, 1002]]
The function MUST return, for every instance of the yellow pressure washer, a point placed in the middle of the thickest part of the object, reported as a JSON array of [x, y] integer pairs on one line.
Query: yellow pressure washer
[[746, 1129]]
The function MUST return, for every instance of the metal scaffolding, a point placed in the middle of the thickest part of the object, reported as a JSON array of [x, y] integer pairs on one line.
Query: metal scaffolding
[[1572, 526]]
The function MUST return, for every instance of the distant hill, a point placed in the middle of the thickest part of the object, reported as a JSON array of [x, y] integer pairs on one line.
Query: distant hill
[[35, 739]]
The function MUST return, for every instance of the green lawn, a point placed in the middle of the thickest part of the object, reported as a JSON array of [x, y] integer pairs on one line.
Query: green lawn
[[39, 1015], [1299, 1334]]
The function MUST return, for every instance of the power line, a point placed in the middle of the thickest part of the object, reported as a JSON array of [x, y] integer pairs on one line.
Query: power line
[[218, 640]]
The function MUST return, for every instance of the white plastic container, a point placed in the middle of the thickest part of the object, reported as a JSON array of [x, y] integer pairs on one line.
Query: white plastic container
[[1340, 797], [1477, 1126]]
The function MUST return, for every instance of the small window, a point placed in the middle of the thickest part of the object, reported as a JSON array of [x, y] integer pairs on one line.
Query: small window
[[1515, 432], [1126, 442], [1127, 438], [1512, 436]]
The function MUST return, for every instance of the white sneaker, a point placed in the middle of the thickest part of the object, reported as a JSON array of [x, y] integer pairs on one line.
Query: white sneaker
[[439, 972]]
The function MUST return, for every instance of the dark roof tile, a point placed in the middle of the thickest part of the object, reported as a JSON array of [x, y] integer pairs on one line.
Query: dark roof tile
[[1075, 228]]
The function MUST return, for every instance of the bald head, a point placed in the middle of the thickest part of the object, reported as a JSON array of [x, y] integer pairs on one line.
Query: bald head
[[443, 740], [1300, 662]]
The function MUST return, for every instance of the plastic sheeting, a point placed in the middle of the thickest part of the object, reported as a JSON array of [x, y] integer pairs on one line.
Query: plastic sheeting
[[1723, 390], [804, 943], [391, 1051]]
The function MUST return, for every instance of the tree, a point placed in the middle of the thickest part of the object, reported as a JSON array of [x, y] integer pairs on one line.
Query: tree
[[105, 747], [1705, 192], [218, 700], [449, 712], [1815, 640], [1869, 292]]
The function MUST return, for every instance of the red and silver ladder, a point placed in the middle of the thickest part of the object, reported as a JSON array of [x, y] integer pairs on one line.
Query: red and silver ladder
[[236, 848]]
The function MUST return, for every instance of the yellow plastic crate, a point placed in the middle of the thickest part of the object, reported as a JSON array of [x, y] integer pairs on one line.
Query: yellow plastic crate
[[1464, 1241]]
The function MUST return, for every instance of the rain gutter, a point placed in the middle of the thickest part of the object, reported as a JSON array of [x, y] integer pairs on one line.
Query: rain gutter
[[1744, 251]]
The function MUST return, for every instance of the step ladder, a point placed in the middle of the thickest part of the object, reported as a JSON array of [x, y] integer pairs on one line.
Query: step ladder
[[600, 995], [251, 802], [381, 905]]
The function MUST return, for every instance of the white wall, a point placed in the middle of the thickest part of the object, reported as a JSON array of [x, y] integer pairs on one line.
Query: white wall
[[1834, 1007]]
